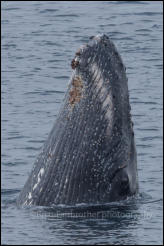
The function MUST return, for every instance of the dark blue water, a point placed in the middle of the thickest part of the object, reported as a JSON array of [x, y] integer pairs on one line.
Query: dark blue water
[[39, 40]]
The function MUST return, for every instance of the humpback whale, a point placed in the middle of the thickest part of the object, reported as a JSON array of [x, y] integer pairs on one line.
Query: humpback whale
[[90, 154]]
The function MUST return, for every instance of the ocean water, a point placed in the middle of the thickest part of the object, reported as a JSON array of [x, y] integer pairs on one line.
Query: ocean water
[[39, 39]]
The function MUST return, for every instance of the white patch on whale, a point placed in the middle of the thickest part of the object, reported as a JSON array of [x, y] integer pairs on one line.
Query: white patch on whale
[[29, 195], [41, 172], [100, 89]]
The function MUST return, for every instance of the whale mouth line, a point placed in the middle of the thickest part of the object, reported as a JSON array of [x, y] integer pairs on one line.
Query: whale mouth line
[[120, 168]]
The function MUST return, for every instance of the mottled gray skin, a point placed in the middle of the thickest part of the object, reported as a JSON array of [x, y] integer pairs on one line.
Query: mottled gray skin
[[90, 154]]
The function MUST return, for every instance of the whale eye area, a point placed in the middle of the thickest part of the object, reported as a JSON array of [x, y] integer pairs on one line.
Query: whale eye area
[[124, 185]]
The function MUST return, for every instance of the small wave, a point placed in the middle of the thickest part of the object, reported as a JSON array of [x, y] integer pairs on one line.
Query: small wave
[[48, 11], [130, 2], [140, 102], [13, 163], [36, 141], [67, 15], [147, 129], [9, 191], [16, 137], [153, 201], [9, 45], [143, 146], [148, 13], [143, 30], [31, 148], [44, 93], [150, 138], [45, 24], [9, 9]]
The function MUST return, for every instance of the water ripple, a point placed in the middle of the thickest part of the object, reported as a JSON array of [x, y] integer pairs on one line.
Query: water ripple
[[39, 40]]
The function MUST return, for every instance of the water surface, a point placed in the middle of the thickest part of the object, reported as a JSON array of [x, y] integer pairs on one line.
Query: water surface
[[39, 40]]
